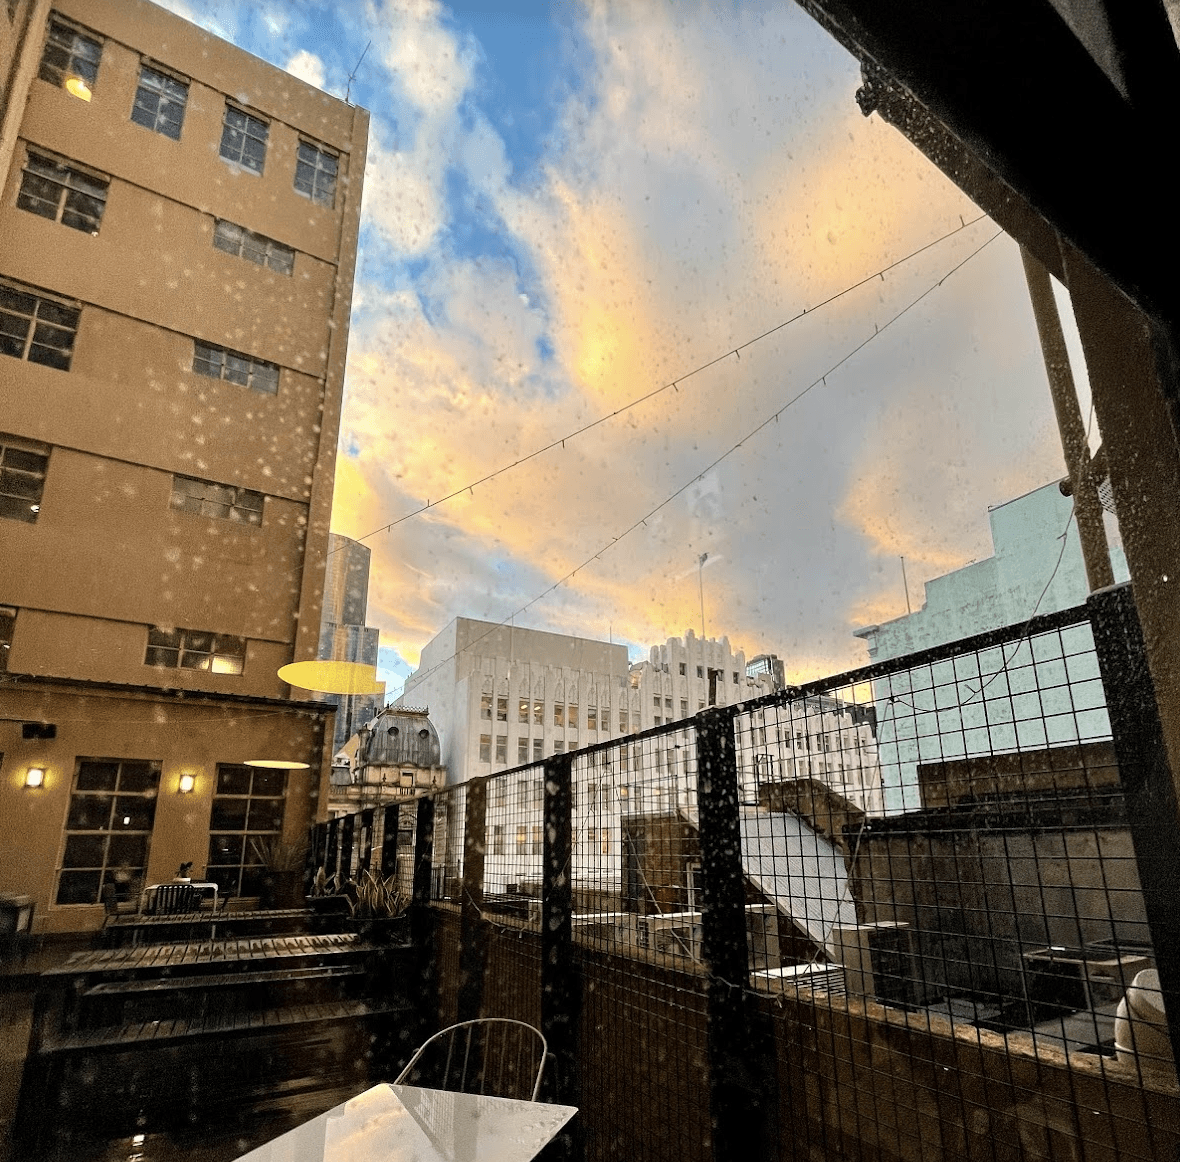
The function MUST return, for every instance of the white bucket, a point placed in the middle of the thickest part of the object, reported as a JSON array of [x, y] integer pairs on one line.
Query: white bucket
[[1141, 1026]]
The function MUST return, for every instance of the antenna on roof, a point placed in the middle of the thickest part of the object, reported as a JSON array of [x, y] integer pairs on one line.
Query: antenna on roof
[[352, 75]]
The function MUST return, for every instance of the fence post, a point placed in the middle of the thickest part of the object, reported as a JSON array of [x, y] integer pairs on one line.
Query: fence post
[[389, 841], [422, 920], [332, 848], [737, 1083], [561, 990], [473, 936], [365, 862], [347, 836], [1147, 781]]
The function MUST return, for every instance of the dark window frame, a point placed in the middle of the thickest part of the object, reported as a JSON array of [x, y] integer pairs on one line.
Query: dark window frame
[[22, 481], [73, 197], [76, 53], [7, 632], [216, 362], [158, 97], [120, 801], [230, 238], [238, 130], [199, 497], [316, 172], [195, 649], [264, 789], [46, 322]]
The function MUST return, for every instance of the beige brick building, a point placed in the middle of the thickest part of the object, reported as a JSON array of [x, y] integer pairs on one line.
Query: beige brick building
[[179, 223]]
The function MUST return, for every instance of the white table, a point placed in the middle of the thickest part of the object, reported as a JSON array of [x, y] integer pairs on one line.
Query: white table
[[404, 1123]]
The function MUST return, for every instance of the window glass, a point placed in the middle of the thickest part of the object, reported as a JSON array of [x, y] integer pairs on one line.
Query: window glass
[[56, 191], [219, 363], [315, 174], [7, 627], [22, 480], [191, 649], [246, 816], [37, 329], [256, 248], [243, 140], [159, 102], [108, 828], [223, 501], [68, 53]]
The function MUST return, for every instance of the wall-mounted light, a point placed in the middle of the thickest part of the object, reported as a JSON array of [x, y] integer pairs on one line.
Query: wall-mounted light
[[186, 785], [78, 88], [35, 777]]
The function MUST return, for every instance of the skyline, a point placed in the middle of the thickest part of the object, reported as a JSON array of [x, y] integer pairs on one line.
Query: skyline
[[568, 208]]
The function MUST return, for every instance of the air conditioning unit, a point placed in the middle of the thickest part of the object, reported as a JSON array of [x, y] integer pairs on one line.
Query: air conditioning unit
[[673, 933], [881, 962]]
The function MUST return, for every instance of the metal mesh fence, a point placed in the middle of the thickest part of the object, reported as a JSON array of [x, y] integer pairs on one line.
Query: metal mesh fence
[[917, 911]]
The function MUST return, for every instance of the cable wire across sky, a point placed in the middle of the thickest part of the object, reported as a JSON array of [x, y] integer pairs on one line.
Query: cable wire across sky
[[770, 419], [673, 384]]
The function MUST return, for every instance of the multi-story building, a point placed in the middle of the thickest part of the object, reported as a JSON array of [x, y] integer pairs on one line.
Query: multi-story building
[[344, 637], [179, 224], [500, 696], [1031, 571]]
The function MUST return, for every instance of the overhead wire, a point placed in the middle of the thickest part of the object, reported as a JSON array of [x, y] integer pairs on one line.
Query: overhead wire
[[673, 384], [772, 418]]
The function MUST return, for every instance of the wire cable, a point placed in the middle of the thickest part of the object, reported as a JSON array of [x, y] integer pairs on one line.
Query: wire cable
[[772, 418], [670, 385]]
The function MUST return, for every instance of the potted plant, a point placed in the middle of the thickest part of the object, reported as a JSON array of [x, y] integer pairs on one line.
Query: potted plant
[[378, 909], [328, 896], [282, 882]]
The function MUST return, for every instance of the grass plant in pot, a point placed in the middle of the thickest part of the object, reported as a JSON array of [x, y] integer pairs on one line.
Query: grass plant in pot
[[328, 896], [282, 880], [378, 909]]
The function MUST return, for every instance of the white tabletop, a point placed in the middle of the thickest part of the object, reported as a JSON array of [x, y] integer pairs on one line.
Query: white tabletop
[[403, 1123]]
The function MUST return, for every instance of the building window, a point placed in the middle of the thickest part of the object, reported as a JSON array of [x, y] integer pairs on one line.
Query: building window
[[7, 626], [667, 703], [22, 479], [247, 816], [656, 701], [195, 649], [700, 671], [604, 840], [591, 717], [501, 709], [485, 706], [684, 669], [658, 721], [109, 826], [559, 748], [538, 750], [69, 54], [501, 748], [256, 248], [571, 716], [522, 750], [315, 174], [538, 840], [523, 711], [522, 838], [622, 722], [224, 501], [683, 707], [735, 677], [159, 102], [485, 748], [558, 713], [220, 363], [499, 792], [37, 329], [498, 840], [62, 194], [538, 713], [243, 140]]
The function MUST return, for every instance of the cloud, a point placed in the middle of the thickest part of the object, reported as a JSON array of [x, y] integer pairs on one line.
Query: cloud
[[708, 177], [307, 67]]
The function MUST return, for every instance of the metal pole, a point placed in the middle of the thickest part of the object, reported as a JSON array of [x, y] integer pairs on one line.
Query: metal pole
[[1087, 506], [473, 933]]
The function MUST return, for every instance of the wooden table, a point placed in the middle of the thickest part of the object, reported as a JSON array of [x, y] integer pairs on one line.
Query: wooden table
[[188, 926], [400, 1123]]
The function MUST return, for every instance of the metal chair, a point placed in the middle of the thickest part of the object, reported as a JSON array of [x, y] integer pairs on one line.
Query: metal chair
[[175, 899], [496, 1056]]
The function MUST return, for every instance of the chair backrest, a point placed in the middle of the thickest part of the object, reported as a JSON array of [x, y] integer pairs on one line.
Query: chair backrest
[[173, 899], [494, 1055]]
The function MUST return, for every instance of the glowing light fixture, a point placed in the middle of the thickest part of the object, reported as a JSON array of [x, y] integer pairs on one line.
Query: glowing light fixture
[[278, 764], [78, 88], [35, 777], [330, 677], [186, 785]]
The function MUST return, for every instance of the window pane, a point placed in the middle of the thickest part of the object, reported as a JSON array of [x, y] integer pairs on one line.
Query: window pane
[[89, 812], [133, 813], [233, 780], [266, 815], [270, 782], [225, 849], [79, 887], [138, 776], [228, 815], [85, 851], [127, 851], [97, 776]]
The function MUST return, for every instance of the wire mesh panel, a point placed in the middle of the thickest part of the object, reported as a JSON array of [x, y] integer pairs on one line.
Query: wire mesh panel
[[446, 878], [515, 843], [943, 845]]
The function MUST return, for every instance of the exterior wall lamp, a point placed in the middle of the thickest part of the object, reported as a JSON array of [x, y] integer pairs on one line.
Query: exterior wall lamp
[[186, 784], [34, 778]]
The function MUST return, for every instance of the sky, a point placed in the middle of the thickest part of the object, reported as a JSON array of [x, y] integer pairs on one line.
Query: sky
[[569, 206]]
